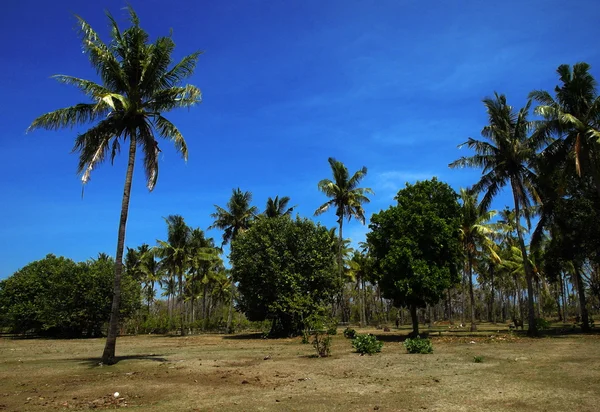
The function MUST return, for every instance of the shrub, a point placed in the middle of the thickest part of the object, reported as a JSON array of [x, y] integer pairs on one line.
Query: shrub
[[418, 345], [367, 344], [322, 344], [349, 333], [478, 359], [542, 324]]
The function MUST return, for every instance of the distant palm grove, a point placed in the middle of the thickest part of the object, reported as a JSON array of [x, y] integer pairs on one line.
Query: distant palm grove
[[437, 254]]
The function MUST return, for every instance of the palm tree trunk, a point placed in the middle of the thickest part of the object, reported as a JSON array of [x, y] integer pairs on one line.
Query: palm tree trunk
[[341, 270], [463, 294], [585, 325], [230, 311], [364, 303], [563, 296], [493, 293], [204, 318], [532, 327], [108, 356], [471, 295], [181, 304]]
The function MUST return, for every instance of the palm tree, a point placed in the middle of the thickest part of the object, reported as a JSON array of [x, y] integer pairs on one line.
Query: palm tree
[[278, 207], [476, 235], [174, 254], [347, 198], [574, 117], [233, 220], [202, 255], [505, 158], [137, 87]]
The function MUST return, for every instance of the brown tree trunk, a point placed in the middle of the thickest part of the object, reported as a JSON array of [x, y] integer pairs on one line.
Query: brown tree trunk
[[471, 295], [585, 324], [230, 311], [415, 320], [108, 356], [493, 294], [341, 270], [532, 327]]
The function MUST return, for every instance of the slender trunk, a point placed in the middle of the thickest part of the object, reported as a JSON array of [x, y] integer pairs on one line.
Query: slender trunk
[[361, 302], [493, 294], [532, 327], [558, 305], [563, 297], [108, 356], [341, 270], [415, 319], [585, 325], [471, 295], [204, 318], [463, 295], [230, 311], [449, 307], [181, 304]]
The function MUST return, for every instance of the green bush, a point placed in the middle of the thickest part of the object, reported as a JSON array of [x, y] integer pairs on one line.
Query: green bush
[[349, 333], [418, 345], [367, 344], [542, 324], [478, 359]]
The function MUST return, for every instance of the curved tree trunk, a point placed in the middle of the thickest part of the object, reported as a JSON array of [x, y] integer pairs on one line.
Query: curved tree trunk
[[230, 311], [532, 327], [471, 295], [108, 356]]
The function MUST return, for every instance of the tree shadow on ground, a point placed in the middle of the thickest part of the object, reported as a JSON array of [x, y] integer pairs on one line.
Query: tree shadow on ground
[[97, 362], [246, 336]]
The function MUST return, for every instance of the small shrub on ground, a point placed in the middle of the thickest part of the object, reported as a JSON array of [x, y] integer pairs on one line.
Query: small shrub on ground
[[418, 345], [322, 344], [349, 333], [478, 359], [367, 344], [542, 324]]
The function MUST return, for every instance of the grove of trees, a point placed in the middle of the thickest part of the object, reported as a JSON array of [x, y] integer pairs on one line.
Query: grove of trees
[[439, 253]]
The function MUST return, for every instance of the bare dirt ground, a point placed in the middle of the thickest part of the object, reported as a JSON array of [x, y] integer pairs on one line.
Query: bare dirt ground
[[248, 373]]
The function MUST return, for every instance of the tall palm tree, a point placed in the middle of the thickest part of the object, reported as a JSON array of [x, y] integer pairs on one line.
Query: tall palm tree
[[278, 207], [347, 199], [233, 220], [138, 85], [574, 118], [476, 235], [505, 158], [174, 254]]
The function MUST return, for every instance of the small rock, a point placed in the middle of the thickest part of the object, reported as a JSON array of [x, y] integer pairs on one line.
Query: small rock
[[116, 394], [245, 382]]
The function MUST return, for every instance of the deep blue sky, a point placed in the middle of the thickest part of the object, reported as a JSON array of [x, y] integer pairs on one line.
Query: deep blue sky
[[392, 85]]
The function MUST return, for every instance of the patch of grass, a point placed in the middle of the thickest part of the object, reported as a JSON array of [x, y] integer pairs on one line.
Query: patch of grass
[[478, 359]]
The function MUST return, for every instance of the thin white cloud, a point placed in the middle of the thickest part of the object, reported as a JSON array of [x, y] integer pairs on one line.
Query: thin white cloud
[[388, 183]]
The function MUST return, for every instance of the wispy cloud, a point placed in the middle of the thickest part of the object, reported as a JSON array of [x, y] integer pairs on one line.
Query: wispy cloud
[[388, 183]]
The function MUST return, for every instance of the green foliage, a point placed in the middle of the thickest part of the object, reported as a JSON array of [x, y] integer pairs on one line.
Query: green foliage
[[322, 344], [478, 359], [542, 324], [418, 345], [349, 333], [285, 272], [57, 297], [416, 244], [367, 344]]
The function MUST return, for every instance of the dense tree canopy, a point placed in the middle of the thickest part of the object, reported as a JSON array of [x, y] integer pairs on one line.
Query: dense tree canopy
[[56, 296], [416, 245], [285, 270]]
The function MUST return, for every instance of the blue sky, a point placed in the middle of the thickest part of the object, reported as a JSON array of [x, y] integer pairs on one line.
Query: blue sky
[[392, 85]]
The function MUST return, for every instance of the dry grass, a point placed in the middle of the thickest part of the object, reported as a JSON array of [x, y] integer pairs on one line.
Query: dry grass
[[227, 373]]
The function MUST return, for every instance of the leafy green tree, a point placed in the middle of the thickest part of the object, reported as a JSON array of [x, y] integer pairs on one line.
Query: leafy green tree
[[573, 117], [57, 297], [476, 235], [347, 199], [235, 219], [138, 84], [505, 157], [416, 245], [284, 272], [278, 207], [174, 254]]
